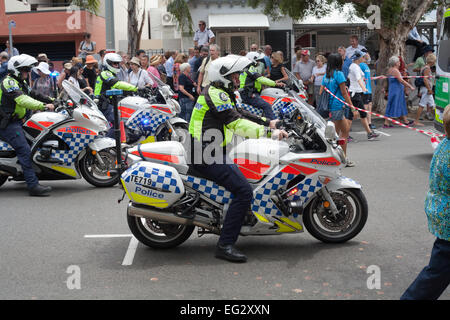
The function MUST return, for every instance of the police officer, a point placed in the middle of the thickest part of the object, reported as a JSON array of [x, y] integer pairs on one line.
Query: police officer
[[251, 85], [15, 100], [107, 80], [203, 36], [213, 121]]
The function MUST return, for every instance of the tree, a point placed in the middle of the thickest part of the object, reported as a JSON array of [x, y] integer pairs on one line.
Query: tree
[[180, 10], [398, 17], [90, 5], [134, 28]]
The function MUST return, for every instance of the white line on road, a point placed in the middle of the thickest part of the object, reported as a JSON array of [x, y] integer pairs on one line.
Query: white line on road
[[377, 131], [129, 256], [108, 236]]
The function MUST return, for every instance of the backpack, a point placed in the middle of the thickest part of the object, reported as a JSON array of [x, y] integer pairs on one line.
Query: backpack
[[420, 82]]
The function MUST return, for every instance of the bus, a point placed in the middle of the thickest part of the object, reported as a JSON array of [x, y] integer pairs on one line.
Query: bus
[[443, 72]]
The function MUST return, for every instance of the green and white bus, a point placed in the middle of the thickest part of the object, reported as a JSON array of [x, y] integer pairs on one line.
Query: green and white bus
[[443, 72]]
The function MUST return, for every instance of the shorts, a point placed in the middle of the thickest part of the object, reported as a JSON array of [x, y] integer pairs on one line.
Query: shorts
[[337, 115], [357, 100], [367, 98], [426, 99]]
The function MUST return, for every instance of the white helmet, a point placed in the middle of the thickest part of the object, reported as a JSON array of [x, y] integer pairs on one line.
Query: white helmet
[[221, 68], [20, 63], [255, 56], [111, 58]]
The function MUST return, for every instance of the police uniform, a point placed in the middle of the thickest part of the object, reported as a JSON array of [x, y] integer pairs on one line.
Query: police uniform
[[250, 88], [108, 81], [204, 37], [216, 110], [15, 100]]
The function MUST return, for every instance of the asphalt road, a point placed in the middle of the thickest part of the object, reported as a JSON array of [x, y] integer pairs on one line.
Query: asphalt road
[[42, 239]]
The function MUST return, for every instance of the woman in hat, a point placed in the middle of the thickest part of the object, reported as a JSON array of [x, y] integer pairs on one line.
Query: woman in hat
[[138, 77], [43, 84], [155, 61], [89, 71]]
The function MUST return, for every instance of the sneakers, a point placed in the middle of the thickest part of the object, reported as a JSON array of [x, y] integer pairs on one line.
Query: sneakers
[[350, 139], [349, 164], [40, 191], [429, 116], [372, 126], [372, 136]]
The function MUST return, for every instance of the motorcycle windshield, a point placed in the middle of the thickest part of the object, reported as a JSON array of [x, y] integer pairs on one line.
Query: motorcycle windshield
[[78, 96], [293, 80], [310, 113], [165, 90]]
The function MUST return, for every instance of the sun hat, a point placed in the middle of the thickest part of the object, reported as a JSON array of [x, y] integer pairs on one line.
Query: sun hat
[[90, 59], [356, 55], [135, 60], [156, 59], [68, 66], [44, 68], [304, 52]]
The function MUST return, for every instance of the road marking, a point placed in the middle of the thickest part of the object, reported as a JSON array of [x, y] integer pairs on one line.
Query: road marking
[[129, 256], [377, 131], [108, 236]]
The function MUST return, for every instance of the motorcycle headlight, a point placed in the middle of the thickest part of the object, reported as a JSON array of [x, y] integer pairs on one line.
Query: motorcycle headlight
[[330, 131]]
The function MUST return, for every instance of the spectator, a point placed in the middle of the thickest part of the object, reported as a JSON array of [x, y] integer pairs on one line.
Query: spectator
[[335, 82], [195, 56], [179, 60], [73, 76], [319, 70], [296, 57], [420, 62], [43, 85], [278, 72], [435, 278], [346, 61], [76, 77], [303, 71], [267, 56], [367, 98], [42, 57], [76, 61], [188, 95], [145, 62], [65, 74], [4, 57], [51, 67], [89, 71], [139, 77], [204, 53], [203, 36], [14, 52], [124, 71], [140, 54], [254, 47], [357, 89], [170, 58], [155, 62], [162, 69], [102, 54], [243, 53], [203, 80], [396, 105], [354, 45], [191, 53], [87, 47], [426, 91], [414, 39]]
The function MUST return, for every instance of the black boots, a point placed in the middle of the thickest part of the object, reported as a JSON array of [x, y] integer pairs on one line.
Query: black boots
[[230, 253], [40, 191]]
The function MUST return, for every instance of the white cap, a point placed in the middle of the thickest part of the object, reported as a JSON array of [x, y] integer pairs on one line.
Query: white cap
[[44, 68]]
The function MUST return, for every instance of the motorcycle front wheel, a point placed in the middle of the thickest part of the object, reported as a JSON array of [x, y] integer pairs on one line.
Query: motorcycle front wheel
[[350, 220], [158, 235], [97, 173]]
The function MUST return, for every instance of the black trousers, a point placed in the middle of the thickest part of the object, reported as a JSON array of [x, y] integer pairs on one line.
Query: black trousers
[[230, 177]]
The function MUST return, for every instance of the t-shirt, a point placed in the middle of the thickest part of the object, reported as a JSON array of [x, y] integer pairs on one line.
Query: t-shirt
[[333, 85], [91, 76], [304, 69], [419, 64], [268, 62], [355, 74], [367, 77], [188, 85], [346, 66], [318, 79]]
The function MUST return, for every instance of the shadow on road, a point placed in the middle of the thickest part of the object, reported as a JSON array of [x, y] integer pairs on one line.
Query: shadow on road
[[421, 161]]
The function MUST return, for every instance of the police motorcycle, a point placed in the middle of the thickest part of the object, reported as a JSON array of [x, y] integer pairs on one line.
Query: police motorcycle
[[279, 98], [297, 184], [152, 115], [67, 144]]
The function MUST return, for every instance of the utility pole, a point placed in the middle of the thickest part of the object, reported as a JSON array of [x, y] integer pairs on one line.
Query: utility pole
[[109, 17]]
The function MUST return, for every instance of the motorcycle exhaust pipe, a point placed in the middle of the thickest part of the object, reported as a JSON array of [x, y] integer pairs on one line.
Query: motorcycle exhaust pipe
[[167, 217]]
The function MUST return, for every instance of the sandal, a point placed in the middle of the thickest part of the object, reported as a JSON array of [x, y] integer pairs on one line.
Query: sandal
[[408, 123]]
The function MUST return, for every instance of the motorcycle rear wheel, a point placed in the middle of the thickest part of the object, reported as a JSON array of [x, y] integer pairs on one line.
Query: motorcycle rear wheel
[[97, 175], [3, 180], [158, 235], [353, 213]]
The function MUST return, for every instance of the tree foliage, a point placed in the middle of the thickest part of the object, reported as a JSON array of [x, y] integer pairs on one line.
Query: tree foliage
[[180, 10], [90, 5]]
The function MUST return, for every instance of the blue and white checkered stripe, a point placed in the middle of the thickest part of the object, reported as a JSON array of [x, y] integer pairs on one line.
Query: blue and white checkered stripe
[[208, 188], [262, 202], [5, 146], [277, 106], [252, 109], [306, 189], [160, 179], [155, 120], [288, 109], [76, 142], [224, 107]]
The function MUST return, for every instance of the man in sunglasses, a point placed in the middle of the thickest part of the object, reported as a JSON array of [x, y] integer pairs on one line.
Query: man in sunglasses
[[203, 36]]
